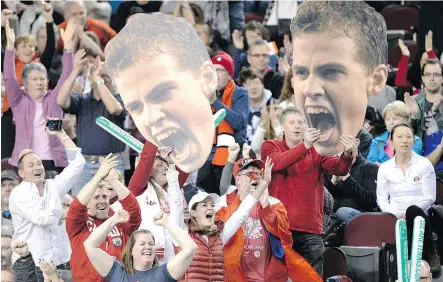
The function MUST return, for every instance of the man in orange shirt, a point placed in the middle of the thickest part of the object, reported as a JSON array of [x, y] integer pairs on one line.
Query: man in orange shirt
[[77, 10]]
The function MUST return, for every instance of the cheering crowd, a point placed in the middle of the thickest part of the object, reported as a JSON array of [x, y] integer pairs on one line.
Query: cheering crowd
[[80, 205]]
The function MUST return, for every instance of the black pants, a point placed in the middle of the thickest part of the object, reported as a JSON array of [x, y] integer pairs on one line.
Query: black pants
[[311, 247], [428, 242], [436, 216], [209, 176]]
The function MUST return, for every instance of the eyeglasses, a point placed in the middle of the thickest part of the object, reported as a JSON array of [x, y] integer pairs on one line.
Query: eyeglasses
[[264, 56], [252, 174], [435, 75]]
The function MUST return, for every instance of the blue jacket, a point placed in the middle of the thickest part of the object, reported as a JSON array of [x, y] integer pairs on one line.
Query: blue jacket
[[377, 149], [237, 117]]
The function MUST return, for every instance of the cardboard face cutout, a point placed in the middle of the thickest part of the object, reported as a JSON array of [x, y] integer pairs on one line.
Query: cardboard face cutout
[[339, 57], [166, 80]]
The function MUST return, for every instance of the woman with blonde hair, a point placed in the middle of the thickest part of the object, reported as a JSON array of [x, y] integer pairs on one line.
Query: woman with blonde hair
[[381, 148], [139, 261]]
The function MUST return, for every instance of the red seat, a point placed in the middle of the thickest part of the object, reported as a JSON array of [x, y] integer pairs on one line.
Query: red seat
[[370, 230], [334, 262], [395, 54], [401, 17]]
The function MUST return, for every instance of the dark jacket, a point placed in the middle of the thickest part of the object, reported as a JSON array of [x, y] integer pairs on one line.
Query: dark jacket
[[359, 190]]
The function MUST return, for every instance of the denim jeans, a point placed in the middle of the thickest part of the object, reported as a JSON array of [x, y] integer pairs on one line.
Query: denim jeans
[[311, 247], [90, 169], [346, 214]]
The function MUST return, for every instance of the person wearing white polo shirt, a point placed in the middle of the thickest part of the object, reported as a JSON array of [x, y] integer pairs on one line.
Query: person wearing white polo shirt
[[406, 187]]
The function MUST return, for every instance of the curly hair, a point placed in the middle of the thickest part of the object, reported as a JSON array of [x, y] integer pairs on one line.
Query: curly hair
[[145, 36], [354, 19]]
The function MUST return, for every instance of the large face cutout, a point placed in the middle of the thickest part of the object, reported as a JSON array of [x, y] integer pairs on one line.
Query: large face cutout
[[330, 87], [168, 102]]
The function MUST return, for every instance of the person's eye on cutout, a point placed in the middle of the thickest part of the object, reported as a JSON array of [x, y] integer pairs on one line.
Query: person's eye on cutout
[[161, 92]]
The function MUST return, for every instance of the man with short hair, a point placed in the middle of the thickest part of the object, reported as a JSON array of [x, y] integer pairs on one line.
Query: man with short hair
[[101, 101], [232, 129], [6, 254], [36, 204], [9, 181], [340, 54], [258, 59], [298, 181], [76, 10], [89, 210], [167, 82]]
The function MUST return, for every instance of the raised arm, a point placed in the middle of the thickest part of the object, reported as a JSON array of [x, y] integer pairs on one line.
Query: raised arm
[[240, 215], [100, 260], [282, 160], [48, 54], [11, 83], [63, 98], [128, 201], [236, 117], [67, 59], [179, 264], [176, 202], [142, 173], [87, 192], [226, 177], [111, 104], [69, 176]]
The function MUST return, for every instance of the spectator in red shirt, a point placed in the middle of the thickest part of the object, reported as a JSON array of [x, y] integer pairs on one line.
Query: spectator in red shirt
[[77, 10], [89, 210], [298, 182]]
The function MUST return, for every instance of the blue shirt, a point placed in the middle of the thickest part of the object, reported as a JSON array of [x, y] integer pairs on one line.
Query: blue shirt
[[377, 149], [119, 274], [87, 109]]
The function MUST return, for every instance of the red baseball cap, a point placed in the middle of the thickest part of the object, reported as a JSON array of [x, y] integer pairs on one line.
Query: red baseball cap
[[244, 163], [225, 60]]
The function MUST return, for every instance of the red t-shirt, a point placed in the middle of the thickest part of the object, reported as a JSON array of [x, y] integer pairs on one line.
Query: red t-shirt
[[256, 250]]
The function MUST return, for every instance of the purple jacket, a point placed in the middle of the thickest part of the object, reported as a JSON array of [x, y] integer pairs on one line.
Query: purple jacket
[[23, 109]]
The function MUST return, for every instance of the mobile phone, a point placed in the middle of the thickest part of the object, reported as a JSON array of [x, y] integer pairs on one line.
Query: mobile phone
[[55, 125]]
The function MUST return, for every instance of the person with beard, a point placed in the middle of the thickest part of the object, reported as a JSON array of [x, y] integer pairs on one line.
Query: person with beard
[[263, 244], [9, 181], [211, 235], [89, 210], [298, 181]]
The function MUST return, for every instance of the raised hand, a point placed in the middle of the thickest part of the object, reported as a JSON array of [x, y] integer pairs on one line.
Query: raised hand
[[428, 41], [106, 164], [267, 177], [246, 150], [80, 60], [237, 39], [161, 219], [275, 122], [47, 12], [48, 268], [404, 49], [233, 151], [264, 199], [97, 68], [349, 142], [311, 136], [120, 216], [165, 153], [243, 184], [264, 117], [10, 36], [68, 34], [20, 248], [412, 104], [113, 175], [58, 133], [6, 14]]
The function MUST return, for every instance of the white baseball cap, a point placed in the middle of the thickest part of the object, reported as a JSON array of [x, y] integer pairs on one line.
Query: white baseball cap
[[200, 196]]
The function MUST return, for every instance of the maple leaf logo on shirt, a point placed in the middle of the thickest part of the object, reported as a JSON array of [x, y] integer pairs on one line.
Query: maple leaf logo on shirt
[[252, 228]]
